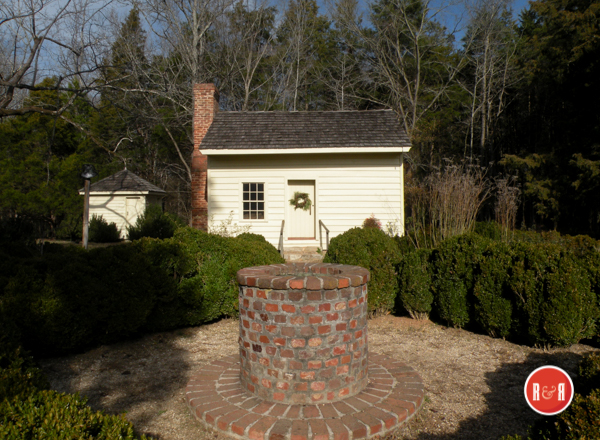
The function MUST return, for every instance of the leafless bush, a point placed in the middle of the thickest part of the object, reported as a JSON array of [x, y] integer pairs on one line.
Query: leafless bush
[[227, 227], [446, 203], [507, 204]]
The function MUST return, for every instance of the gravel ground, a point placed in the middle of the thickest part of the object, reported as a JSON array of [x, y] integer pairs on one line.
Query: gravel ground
[[473, 383]]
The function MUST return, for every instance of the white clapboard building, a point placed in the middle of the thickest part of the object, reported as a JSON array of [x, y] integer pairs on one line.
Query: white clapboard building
[[122, 198], [261, 166]]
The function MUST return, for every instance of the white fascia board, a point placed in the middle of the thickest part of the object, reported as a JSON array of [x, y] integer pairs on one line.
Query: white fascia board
[[119, 193], [244, 152]]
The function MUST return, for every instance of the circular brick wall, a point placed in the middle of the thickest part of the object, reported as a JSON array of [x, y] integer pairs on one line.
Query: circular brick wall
[[303, 331]]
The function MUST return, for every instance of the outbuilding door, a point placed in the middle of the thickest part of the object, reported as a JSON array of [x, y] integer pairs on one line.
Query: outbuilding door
[[132, 209], [300, 224]]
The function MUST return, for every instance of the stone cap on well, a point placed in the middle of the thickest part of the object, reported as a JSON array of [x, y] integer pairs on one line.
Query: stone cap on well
[[315, 276]]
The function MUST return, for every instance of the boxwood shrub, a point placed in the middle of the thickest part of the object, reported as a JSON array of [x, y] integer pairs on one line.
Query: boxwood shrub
[[535, 292], [154, 223], [454, 272], [100, 231], [492, 298], [414, 279], [372, 249], [69, 299], [49, 414], [581, 420], [28, 410], [552, 294], [74, 299]]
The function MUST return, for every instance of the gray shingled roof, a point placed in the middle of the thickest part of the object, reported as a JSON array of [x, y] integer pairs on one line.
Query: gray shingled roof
[[336, 129], [123, 181]]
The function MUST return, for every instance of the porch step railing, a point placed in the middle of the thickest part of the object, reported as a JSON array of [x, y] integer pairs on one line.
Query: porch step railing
[[322, 225], [280, 247]]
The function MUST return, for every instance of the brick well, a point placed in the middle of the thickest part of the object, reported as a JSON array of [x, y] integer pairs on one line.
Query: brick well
[[303, 332]]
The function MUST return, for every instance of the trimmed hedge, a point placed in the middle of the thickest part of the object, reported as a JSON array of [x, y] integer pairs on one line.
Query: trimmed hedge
[[69, 299], [414, 279], [154, 223], [28, 410], [103, 232], [535, 292], [492, 299], [52, 415], [372, 249], [72, 299], [454, 270], [581, 420]]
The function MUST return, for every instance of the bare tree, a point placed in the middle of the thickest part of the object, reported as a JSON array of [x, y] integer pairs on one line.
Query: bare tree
[[62, 39], [342, 75], [491, 54], [244, 53], [411, 56]]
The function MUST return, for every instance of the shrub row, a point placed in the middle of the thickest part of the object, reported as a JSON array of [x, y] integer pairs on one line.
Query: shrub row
[[581, 420], [539, 289], [536, 293], [372, 249], [28, 410], [103, 232], [69, 299], [154, 223]]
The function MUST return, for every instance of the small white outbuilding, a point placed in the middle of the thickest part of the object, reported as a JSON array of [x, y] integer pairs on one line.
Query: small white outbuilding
[[290, 175], [122, 198]]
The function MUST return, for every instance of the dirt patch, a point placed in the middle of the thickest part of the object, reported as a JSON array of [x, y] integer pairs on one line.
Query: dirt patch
[[473, 383]]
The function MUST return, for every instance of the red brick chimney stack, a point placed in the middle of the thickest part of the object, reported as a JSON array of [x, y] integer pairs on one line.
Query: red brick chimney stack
[[206, 105]]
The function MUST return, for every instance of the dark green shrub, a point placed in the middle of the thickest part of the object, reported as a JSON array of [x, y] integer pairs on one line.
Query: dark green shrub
[[587, 251], [405, 244], [589, 374], [29, 411], [492, 299], [52, 415], [552, 293], [74, 299], [248, 236], [16, 229], [530, 263], [569, 310], [18, 373], [70, 299], [455, 265], [19, 376], [490, 230], [414, 279], [211, 281], [372, 249], [171, 269], [103, 232], [580, 421], [154, 223]]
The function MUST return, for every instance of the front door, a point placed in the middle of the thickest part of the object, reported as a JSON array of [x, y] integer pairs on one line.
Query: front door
[[300, 223]]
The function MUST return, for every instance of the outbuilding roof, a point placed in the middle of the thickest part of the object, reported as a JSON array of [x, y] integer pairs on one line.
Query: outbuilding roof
[[124, 181], [292, 130]]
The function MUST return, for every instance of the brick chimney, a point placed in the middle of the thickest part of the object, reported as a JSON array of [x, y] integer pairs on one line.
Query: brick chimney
[[206, 105]]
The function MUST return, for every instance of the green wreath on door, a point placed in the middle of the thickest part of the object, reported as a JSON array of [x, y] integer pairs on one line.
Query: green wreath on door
[[301, 201]]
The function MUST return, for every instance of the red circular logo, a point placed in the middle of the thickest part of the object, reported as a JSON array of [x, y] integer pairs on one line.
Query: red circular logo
[[549, 390]]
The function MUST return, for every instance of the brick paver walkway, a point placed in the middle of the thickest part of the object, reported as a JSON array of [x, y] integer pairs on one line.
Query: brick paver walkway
[[393, 395]]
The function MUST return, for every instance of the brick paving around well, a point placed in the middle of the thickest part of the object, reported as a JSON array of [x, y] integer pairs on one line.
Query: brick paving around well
[[392, 396]]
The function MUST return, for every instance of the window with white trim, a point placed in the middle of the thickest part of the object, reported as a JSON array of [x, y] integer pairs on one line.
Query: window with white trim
[[253, 201]]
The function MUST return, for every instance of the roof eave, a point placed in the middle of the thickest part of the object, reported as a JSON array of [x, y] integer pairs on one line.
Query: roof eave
[[123, 192], [255, 151]]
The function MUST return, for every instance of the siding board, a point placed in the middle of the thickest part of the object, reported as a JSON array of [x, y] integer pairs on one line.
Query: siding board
[[349, 188]]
